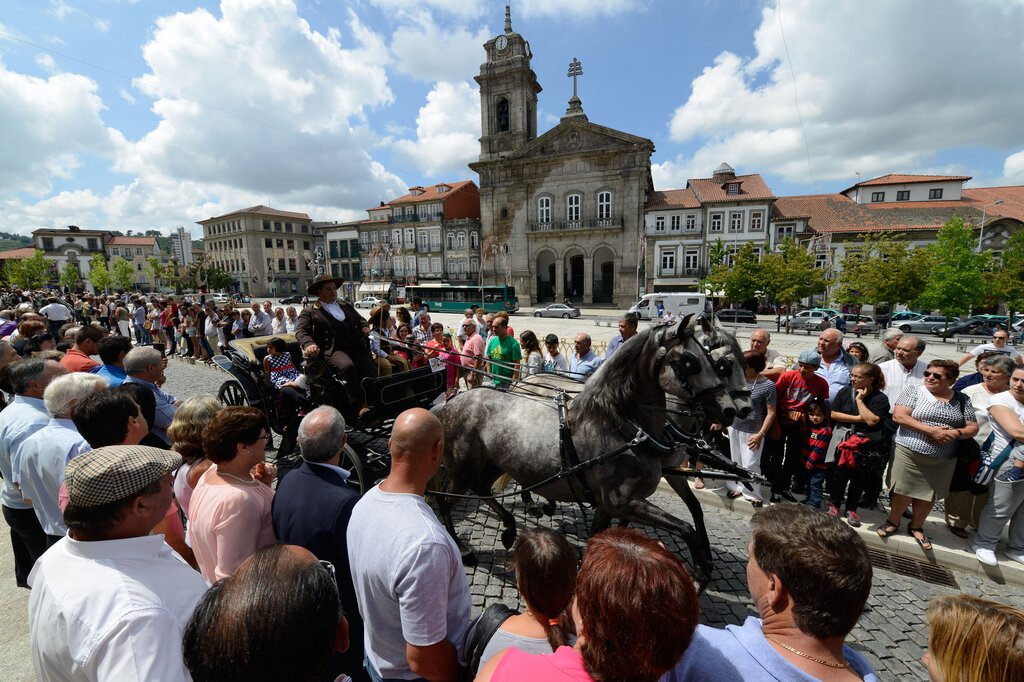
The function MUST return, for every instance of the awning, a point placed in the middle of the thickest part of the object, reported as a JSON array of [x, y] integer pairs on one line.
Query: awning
[[374, 289]]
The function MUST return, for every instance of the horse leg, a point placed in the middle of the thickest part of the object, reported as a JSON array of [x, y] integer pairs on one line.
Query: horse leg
[[602, 520], [533, 509], [646, 513], [483, 489], [445, 507], [682, 488]]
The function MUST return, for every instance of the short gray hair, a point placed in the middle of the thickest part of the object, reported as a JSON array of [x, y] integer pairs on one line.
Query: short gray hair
[[320, 433], [64, 391], [25, 371], [1001, 363], [141, 357], [892, 333], [767, 334]]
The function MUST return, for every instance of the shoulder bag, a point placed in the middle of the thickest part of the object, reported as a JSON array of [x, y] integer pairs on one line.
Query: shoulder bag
[[990, 464], [482, 630]]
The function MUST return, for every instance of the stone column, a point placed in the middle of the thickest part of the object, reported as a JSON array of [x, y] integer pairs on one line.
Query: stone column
[[559, 279], [588, 280]]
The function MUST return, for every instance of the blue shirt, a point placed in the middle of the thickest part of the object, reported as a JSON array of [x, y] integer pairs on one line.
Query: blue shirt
[[112, 373], [164, 407], [42, 458], [613, 345], [836, 374], [740, 652], [581, 368], [19, 420]]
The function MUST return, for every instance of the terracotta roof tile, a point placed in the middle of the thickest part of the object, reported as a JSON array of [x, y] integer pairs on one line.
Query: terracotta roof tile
[[19, 253], [752, 187], [908, 179], [673, 198], [429, 193]]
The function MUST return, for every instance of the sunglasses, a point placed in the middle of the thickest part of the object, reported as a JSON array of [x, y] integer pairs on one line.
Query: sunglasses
[[934, 375]]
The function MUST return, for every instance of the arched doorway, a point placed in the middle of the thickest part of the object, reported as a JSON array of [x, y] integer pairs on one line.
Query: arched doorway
[[604, 275], [546, 276], [574, 275]]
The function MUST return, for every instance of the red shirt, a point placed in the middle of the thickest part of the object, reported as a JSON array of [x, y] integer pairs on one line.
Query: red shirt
[[76, 361], [793, 392]]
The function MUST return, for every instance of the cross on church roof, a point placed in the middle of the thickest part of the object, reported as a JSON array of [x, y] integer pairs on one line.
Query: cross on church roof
[[575, 69]]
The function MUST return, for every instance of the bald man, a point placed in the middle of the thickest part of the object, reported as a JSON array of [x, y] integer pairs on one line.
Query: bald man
[[406, 569]]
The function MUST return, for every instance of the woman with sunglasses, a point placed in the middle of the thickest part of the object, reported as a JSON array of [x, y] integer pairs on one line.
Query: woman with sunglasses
[[229, 513], [931, 418]]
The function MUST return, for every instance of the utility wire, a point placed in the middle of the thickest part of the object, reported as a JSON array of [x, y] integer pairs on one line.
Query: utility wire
[[796, 99]]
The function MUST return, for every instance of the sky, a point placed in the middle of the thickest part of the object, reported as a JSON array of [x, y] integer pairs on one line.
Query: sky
[[149, 114]]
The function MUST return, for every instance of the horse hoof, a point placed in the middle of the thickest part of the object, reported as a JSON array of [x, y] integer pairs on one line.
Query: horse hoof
[[469, 558], [508, 536], [549, 508], [534, 511]]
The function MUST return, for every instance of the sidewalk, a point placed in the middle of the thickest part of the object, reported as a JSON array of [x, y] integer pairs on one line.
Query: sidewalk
[[948, 551]]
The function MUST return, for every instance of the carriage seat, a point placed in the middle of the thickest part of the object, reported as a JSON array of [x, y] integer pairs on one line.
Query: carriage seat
[[293, 347]]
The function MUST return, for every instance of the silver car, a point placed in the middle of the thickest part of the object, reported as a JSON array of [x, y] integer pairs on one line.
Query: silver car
[[922, 325], [557, 310]]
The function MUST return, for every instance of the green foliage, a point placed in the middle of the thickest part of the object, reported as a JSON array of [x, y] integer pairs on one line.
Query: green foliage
[[741, 281], [886, 270], [787, 274], [957, 280], [218, 279], [1008, 280], [98, 273], [122, 273], [30, 273], [154, 269], [70, 277]]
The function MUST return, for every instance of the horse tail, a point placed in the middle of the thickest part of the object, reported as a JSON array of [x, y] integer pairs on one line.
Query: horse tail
[[501, 483]]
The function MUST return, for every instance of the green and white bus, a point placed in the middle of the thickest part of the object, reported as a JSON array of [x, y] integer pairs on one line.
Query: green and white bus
[[455, 298]]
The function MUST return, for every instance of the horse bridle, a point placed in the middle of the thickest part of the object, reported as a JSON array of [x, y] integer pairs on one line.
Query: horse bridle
[[688, 364]]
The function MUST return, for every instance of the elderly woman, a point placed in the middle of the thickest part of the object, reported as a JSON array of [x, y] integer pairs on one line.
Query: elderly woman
[[863, 407], [1006, 414], [931, 420], [635, 612], [966, 498], [974, 639], [229, 512], [191, 420], [746, 436]]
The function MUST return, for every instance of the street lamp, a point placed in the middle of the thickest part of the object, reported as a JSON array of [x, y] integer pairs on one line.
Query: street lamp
[[984, 209]]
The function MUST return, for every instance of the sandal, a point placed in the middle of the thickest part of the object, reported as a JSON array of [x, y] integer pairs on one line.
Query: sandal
[[733, 494], [698, 483], [925, 543], [887, 529], [959, 532], [757, 504]]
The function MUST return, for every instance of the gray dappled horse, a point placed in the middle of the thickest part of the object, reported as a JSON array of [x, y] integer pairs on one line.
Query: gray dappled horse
[[490, 432]]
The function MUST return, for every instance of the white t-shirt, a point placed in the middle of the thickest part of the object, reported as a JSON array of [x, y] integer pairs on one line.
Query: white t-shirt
[[1005, 399], [992, 348], [408, 576]]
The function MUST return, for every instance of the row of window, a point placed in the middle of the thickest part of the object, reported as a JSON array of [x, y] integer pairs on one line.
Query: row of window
[[348, 271], [716, 220], [420, 210], [346, 248], [285, 265], [426, 238], [574, 207], [289, 244], [278, 226], [126, 251], [225, 227], [230, 265], [904, 195], [423, 265], [92, 244], [691, 261]]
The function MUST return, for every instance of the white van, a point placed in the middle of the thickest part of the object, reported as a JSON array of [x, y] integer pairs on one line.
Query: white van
[[676, 302]]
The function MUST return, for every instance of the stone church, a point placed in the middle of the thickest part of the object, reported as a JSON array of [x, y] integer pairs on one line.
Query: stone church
[[562, 214]]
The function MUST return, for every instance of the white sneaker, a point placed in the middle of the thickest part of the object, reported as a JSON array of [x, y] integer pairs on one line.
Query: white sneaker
[[985, 556], [1015, 556]]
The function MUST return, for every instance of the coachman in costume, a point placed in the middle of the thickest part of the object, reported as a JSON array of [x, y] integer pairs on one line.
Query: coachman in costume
[[333, 330]]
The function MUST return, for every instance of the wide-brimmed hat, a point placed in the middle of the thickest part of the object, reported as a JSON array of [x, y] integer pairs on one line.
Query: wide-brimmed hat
[[116, 472], [379, 310], [320, 280]]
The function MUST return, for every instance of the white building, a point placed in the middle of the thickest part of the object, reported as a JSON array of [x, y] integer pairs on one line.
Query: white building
[[181, 247]]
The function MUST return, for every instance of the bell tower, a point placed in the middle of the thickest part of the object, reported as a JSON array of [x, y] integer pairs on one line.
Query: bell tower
[[508, 94]]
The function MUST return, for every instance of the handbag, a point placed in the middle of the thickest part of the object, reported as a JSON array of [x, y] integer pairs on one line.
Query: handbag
[[989, 464]]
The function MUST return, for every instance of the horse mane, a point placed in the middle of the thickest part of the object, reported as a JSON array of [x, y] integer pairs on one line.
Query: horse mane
[[611, 392]]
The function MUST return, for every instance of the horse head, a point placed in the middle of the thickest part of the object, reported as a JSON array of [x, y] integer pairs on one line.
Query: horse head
[[703, 364]]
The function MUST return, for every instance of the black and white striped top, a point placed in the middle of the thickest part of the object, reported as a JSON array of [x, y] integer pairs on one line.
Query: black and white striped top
[[928, 409]]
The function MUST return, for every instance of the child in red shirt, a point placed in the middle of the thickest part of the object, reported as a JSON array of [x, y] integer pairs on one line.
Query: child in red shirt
[[815, 450]]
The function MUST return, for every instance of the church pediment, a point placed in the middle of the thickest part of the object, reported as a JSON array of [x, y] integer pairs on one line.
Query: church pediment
[[575, 136]]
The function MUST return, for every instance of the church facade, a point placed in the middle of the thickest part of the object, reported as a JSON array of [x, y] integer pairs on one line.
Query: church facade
[[562, 213]]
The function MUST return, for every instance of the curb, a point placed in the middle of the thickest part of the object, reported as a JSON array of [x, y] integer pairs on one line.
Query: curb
[[948, 551]]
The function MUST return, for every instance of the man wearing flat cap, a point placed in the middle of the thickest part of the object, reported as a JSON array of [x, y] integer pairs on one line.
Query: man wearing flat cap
[[333, 330], [110, 601]]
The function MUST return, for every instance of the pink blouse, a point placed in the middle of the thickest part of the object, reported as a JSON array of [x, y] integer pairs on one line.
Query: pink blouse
[[564, 665], [227, 523]]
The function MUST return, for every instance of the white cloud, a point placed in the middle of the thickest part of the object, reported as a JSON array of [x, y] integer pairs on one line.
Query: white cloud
[[576, 8], [61, 9], [458, 8], [1013, 168], [126, 96], [430, 53], [102, 25], [447, 131], [46, 62], [878, 87]]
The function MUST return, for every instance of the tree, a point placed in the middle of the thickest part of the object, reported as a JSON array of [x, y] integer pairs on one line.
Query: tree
[[788, 274], [887, 269], [14, 274], [122, 273], [98, 273], [33, 272], [957, 281], [738, 282], [70, 277], [1006, 283], [154, 268]]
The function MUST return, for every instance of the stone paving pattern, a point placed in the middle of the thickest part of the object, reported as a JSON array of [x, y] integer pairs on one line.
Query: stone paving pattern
[[891, 633]]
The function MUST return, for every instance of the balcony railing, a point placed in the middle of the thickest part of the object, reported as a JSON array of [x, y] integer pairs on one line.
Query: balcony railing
[[682, 272], [431, 248], [570, 225], [415, 218]]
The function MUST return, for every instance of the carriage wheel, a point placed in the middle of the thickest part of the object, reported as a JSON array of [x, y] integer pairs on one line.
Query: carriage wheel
[[232, 394], [357, 476]]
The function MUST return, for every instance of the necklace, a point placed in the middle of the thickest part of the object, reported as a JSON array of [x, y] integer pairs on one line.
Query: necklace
[[240, 480], [822, 661]]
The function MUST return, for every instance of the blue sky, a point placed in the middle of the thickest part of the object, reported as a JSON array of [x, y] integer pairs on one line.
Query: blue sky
[[156, 113]]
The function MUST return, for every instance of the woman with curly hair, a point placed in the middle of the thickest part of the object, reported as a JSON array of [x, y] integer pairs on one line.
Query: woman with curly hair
[[191, 419]]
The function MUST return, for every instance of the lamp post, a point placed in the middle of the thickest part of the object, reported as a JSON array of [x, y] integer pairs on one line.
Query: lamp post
[[981, 231]]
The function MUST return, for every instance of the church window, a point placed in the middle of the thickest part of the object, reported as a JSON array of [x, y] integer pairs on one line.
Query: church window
[[474, 240], [572, 207], [450, 241], [716, 222], [502, 115], [461, 240], [604, 205], [544, 210]]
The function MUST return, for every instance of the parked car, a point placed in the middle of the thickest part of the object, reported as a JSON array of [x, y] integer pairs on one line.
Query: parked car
[[905, 315], [295, 298], [922, 325], [979, 325], [855, 324], [815, 318], [740, 315], [557, 310], [369, 302]]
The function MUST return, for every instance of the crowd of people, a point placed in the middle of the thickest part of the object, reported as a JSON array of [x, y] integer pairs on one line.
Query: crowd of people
[[159, 542]]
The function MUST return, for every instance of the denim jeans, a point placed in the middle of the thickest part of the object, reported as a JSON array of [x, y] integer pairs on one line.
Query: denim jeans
[[141, 335], [815, 484]]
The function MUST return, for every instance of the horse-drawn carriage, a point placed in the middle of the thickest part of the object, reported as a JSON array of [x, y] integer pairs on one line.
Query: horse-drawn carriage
[[366, 455]]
